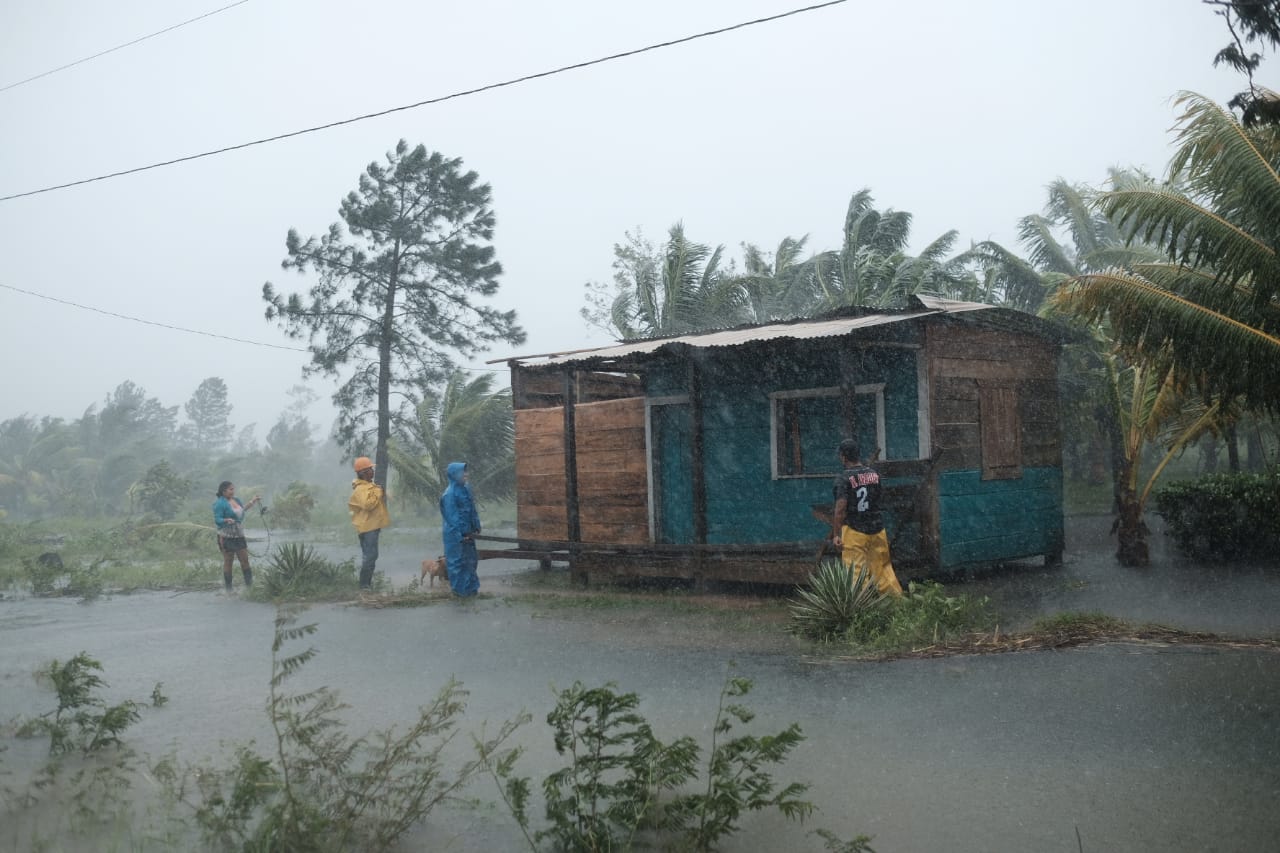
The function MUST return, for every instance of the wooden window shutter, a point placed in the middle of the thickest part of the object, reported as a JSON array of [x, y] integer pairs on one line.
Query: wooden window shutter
[[1001, 431]]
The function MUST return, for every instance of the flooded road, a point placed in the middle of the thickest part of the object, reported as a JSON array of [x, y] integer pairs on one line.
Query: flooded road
[[1135, 747]]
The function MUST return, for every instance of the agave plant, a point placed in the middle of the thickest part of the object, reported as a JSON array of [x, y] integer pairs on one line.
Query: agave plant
[[297, 571], [834, 600]]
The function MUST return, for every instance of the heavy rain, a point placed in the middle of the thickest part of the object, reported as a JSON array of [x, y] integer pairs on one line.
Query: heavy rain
[[743, 427]]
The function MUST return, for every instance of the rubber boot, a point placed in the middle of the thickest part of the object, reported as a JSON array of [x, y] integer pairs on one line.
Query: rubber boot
[[248, 577], [226, 579]]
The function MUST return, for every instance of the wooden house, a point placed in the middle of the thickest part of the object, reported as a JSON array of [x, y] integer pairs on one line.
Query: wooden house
[[711, 456]]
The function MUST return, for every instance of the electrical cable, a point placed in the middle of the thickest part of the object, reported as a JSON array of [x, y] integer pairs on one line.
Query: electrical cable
[[121, 46], [191, 331], [266, 548], [151, 322], [489, 87]]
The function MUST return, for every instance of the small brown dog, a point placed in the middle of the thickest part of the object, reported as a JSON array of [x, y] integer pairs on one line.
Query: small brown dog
[[436, 569]]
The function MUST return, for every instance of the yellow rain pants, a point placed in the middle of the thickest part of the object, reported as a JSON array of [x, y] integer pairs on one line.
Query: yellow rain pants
[[871, 550]]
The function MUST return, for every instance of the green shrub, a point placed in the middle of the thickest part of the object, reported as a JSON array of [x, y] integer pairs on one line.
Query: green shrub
[[90, 770], [839, 606], [82, 722], [296, 572], [321, 789], [43, 575], [619, 790], [292, 510], [1223, 516], [927, 615], [161, 491], [86, 582]]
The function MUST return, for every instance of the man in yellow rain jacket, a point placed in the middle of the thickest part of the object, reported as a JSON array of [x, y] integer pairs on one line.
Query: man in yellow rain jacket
[[368, 505]]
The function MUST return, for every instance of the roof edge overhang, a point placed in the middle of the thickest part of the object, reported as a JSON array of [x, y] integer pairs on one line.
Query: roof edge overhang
[[632, 355]]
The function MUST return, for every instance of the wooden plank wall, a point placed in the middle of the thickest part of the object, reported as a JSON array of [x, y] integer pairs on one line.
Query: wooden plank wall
[[960, 360], [995, 508], [612, 480]]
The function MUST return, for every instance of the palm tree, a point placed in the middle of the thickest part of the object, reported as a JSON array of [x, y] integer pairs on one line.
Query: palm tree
[[467, 421], [1108, 399], [1154, 409], [778, 287], [1209, 310], [872, 267], [1093, 243], [676, 289], [36, 460]]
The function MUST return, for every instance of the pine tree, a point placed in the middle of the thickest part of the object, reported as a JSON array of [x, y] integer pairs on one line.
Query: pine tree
[[208, 412], [395, 293]]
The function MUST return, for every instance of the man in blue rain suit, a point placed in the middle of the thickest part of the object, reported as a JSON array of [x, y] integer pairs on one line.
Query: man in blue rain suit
[[461, 524]]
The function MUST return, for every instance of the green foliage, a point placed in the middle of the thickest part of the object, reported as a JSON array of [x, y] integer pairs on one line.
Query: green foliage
[[621, 787], [49, 575], [82, 722], [467, 422], [292, 510], [43, 575], [322, 789], [85, 582], [164, 538], [834, 601], [401, 284], [617, 769], [860, 844], [208, 412], [872, 267], [92, 558], [736, 779], [296, 572], [669, 290], [230, 801], [839, 606], [161, 491], [1223, 516], [927, 615], [1249, 22], [1207, 308]]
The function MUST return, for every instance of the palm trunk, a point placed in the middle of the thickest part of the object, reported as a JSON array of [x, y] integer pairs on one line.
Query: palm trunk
[[1131, 531]]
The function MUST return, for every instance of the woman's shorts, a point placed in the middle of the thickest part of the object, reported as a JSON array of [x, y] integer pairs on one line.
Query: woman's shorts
[[231, 544]]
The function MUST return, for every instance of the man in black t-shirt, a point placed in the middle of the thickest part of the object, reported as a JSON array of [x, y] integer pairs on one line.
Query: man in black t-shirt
[[856, 526]]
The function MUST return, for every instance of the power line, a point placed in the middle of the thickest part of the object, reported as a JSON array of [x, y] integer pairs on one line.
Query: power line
[[150, 322], [562, 69], [191, 331], [122, 46]]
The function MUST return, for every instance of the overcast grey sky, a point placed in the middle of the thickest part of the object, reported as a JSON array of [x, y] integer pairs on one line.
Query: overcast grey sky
[[958, 112]]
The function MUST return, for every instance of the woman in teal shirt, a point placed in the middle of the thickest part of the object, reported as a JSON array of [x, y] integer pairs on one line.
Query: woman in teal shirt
[[228, 518]]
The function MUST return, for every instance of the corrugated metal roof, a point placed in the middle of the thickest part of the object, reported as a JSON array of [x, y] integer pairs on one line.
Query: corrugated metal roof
[[921, 306]]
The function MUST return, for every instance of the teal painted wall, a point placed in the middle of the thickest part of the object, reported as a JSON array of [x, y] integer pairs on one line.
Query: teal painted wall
[[744, 503], [671, 429], [988, 521]]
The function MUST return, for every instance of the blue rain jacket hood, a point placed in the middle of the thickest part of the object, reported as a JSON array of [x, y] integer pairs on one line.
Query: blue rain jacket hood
[[458, 506]]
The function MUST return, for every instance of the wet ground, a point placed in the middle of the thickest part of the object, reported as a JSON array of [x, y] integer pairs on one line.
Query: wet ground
[[1133, 747]]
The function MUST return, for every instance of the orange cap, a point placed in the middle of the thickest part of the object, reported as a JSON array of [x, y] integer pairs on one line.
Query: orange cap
[[361, 463]]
